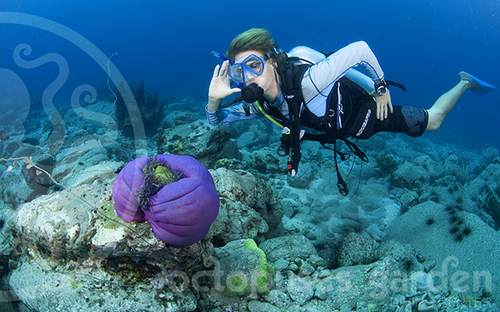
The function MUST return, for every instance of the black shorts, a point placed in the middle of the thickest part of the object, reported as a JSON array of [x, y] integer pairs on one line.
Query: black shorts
[[363, 122]]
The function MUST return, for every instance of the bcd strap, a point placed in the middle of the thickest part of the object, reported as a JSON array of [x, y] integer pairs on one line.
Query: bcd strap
[[291, 77], [341, 184]]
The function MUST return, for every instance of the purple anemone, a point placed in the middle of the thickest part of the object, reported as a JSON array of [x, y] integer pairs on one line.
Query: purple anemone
[[181, 212]]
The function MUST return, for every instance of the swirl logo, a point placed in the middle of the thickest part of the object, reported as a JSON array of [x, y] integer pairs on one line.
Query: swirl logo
[[15, 98]]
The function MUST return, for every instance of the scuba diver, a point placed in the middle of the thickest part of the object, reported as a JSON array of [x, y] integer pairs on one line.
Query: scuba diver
[[319, 97]]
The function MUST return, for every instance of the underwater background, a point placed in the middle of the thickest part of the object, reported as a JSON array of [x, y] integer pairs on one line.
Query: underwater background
[[419, 230]]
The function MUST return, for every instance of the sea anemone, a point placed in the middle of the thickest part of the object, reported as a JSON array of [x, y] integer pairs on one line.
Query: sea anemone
[[156, 175], [454, 230], [430, 221], [175, 194]]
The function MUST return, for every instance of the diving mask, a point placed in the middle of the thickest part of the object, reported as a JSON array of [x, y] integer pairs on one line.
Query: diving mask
[[250, 66]]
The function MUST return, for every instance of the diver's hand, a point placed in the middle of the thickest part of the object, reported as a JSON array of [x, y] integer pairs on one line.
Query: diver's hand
[[220, 86], [384, 105]]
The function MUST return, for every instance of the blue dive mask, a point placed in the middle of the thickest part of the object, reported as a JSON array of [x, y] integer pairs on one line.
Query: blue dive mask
[[239, 72], [250, 66]]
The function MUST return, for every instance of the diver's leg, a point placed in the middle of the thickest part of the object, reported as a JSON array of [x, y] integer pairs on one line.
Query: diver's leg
[[445, 104]]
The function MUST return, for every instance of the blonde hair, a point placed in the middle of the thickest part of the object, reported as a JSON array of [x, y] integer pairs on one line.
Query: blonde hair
[[258, 39]]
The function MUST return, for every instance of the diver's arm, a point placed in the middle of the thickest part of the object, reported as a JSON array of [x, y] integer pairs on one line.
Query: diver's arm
[[219, 89], [232, 113], [212, 105], [328, 71]]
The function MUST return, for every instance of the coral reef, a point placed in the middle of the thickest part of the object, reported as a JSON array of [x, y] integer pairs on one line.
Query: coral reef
[[150, 107], [63, 247]]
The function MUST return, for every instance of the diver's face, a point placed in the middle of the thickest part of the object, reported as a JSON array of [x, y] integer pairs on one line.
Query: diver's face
[[266, 80]]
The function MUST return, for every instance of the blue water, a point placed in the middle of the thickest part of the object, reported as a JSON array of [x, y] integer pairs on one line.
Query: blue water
[[422, 44]]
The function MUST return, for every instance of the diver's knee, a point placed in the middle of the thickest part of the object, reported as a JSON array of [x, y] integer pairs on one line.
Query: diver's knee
[[434, 122], [432, 125], [435, 119]]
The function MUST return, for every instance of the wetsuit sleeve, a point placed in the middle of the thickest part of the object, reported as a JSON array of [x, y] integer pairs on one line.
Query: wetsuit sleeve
[[231, 114], [323, 74]]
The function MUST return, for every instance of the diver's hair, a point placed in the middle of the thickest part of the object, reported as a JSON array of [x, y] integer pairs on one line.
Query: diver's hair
[[258, 39]]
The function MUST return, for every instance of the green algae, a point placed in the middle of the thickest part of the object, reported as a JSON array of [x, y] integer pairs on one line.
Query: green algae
[[242, 283]]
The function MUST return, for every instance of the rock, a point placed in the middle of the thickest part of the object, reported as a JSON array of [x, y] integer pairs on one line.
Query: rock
[[455, 166], [358, 248], [288, 248], [409, 176], [46, 222], [90, 117], [87, 175], [306, 269], [39, 286], [316, 261], [434, 168], [316, 306], [257, 306], [280, 264], [248, 207], [408, 198], [14, 190], [203, 142], [290, 206], [429, 265], [265, 162], [490, 153], [298, 226], [81, 222], [426, 306], [300, 289], [293, 267], [278, 298], [323, 273], [6, 242], [230, 164], [483, 195], [346, 286], [72, 160], [396, 250], [11, 148], [179, 118], [387, 163]]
